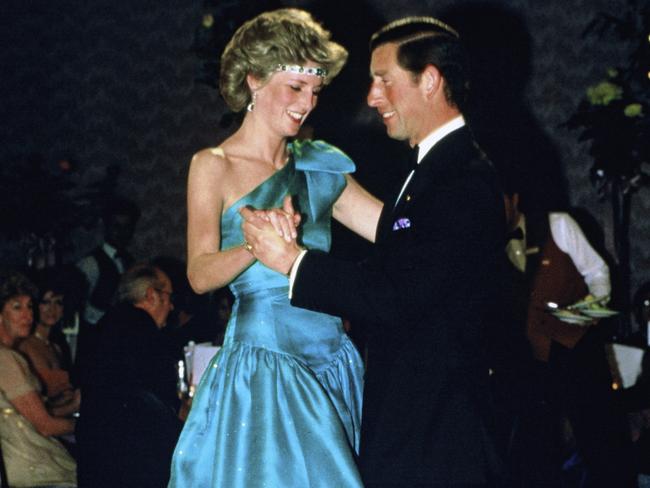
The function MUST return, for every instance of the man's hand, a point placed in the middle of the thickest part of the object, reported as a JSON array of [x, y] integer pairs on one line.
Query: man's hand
[[276, 251]]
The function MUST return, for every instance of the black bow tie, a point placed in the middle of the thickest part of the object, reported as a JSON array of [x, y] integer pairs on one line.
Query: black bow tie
[[515, 234], [413, 158]]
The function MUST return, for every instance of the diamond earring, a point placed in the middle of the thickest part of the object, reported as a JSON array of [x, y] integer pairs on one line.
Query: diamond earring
[[251, 106]]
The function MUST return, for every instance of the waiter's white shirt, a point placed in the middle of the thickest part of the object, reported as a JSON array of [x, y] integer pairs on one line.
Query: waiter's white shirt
[[569, 238]]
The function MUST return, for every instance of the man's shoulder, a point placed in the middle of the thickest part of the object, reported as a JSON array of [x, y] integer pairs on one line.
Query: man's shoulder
[[91, 260], [125, 319]]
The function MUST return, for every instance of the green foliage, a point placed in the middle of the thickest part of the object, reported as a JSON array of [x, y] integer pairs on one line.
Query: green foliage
[[615, 113]]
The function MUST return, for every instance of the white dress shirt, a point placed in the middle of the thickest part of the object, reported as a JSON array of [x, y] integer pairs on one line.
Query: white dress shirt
[[424, 147], [429, 141], [89, 267]]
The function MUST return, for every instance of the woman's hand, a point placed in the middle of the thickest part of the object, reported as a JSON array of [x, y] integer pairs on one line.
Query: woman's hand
[[285, 220], [264, 242], [66, 404]]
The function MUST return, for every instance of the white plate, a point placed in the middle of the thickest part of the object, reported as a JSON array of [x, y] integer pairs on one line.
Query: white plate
[[599, 312], [574, 320], [571, 318], [586, 303]]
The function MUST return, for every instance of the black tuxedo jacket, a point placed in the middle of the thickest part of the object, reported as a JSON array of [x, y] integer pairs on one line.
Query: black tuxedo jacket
[[128, 425], [429, 291]]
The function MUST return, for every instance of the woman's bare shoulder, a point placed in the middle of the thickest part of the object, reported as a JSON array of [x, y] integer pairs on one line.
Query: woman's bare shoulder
[[210, 160]]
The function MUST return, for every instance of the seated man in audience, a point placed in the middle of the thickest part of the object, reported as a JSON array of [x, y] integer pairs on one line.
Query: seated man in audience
[[129, 425]]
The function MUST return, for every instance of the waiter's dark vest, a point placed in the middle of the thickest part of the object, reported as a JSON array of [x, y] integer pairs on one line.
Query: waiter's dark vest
[[553, 277], [109, 277]]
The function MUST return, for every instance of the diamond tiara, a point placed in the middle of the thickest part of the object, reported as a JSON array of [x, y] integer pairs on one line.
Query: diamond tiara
[[303, 70]]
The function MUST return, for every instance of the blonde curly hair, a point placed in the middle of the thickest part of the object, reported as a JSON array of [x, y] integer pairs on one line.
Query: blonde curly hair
[[284, 36]]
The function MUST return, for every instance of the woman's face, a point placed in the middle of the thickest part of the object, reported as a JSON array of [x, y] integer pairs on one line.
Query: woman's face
[[16, 316], [50, 308], [286, 100]]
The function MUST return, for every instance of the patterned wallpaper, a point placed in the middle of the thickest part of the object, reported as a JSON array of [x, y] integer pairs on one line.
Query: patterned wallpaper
[[112, 82]]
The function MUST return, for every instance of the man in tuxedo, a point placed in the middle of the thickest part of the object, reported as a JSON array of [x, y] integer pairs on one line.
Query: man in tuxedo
[[104, 266], [102, 270], [429, 288]]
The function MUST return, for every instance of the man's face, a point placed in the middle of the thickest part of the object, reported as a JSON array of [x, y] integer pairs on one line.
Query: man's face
[[398, 98], [119, 230], [162, 301]]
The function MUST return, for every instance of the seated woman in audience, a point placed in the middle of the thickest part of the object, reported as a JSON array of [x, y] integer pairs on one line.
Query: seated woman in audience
[[46, 350], [32, 456]]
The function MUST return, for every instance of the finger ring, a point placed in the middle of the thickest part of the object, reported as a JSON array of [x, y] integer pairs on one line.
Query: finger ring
[[247, 246]]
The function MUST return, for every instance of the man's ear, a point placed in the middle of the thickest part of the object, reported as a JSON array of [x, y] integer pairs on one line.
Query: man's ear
[[430, 80], [150, 294]]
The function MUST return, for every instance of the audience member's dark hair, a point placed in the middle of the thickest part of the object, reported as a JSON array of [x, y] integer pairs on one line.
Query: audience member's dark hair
[[121, 206], [51, 279], [66, 280], [14, 283], [426, 41]]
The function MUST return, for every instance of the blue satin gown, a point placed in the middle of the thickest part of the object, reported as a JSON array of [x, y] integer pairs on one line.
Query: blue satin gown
[[280, 404]]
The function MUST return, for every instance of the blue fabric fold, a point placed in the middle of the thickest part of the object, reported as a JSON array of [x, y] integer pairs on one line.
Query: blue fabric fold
[[323, 166]]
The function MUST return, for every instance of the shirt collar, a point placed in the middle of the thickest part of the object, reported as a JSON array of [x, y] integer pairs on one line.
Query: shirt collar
[[434, 137], [109, 250]]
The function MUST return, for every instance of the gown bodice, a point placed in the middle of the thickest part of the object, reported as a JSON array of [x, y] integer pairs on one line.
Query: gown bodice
[[262, 315], [280, 403]]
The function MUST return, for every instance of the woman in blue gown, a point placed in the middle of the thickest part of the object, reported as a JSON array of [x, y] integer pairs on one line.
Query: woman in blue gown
[[280, 404]]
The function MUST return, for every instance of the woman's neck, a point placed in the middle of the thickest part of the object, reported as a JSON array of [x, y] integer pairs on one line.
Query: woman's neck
[[42, 331], [261, 144]]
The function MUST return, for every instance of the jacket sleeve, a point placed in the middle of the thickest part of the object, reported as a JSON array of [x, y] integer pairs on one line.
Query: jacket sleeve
[[444, 262]]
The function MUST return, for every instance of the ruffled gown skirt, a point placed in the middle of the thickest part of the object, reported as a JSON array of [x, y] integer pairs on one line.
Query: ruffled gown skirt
[[279, 405]]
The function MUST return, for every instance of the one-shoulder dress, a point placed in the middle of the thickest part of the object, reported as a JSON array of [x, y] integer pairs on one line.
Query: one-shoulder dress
[[280, 403]]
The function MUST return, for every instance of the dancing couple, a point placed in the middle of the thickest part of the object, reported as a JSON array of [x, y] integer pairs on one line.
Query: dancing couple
[[280, 405]]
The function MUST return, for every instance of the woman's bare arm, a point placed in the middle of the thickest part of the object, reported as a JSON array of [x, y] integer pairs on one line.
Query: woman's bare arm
[[208, 267], [358, 210], [30, 406]]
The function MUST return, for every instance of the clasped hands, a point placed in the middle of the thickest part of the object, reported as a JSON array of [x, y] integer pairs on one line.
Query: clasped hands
[[270, 235]]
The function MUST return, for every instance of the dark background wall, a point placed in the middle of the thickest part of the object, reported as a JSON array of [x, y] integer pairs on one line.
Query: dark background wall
[[113, 83]]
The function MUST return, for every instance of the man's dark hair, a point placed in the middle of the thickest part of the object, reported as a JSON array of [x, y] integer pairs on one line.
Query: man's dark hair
[[121, 206], [426, 41]]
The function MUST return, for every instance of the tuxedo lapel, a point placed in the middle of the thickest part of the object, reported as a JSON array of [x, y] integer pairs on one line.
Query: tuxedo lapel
[[448, 155], [449, 151]]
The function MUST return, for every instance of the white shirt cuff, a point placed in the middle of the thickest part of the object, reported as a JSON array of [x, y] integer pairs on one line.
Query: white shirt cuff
[[294, 271]]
